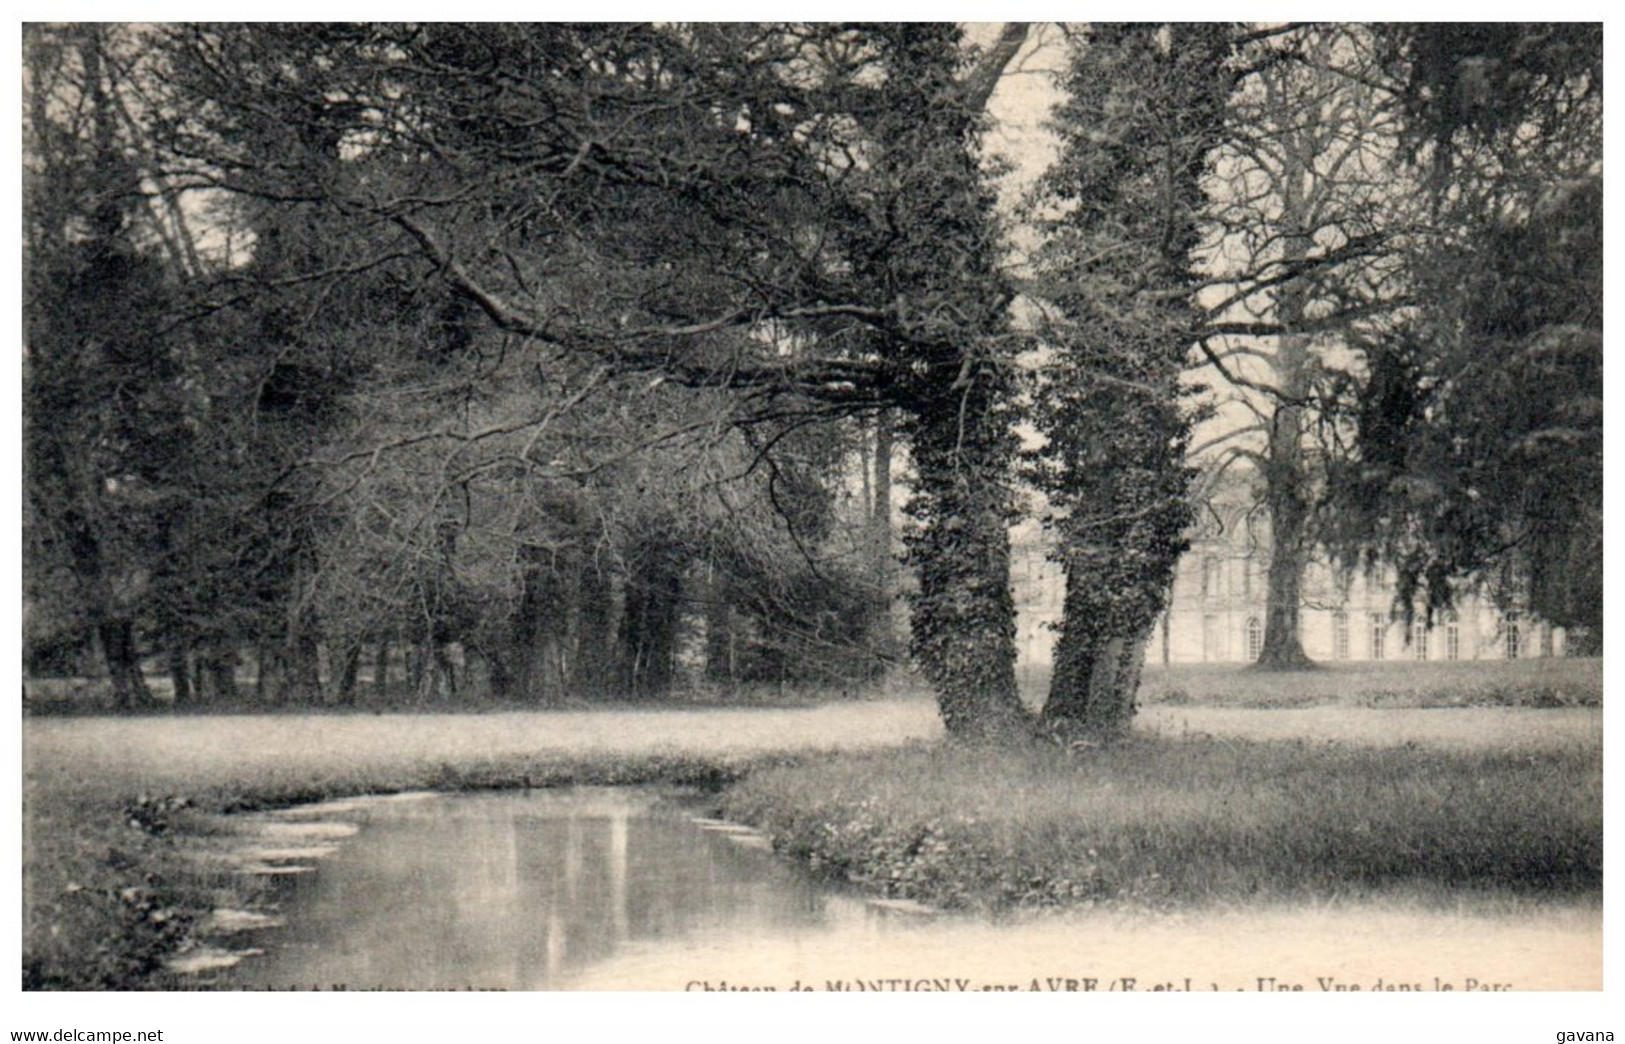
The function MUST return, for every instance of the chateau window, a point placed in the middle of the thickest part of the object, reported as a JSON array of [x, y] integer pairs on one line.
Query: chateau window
[[1340, 635], [1210, 637], [1255, 638], [1419, 640], [1379, 635], [1452, 641], [1513, 636]]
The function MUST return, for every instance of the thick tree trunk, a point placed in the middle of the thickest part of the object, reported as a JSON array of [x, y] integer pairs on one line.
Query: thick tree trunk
[[1076, 647], [1285, 497], [1116, 685], [1116, 422], [964, 620], [1096, 678], [1283, 648]]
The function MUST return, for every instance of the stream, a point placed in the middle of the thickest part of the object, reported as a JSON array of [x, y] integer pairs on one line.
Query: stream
[[634, 888]]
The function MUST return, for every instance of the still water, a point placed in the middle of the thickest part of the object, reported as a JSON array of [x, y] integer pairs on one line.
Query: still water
[[627, 888], [525, 891]]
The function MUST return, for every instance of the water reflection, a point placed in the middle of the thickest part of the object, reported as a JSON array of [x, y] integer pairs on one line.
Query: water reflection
[[625, 889], [519, 891]]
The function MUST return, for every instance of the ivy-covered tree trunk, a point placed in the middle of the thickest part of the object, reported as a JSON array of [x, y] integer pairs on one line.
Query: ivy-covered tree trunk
[[936, 260], [963, 620], [1096, 679], [1145, 110]]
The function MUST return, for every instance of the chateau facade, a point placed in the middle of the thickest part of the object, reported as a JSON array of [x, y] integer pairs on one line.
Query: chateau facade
[[1216, 614]]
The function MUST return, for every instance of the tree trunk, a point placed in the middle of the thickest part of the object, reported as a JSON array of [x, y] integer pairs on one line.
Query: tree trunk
[[540, 629], [648, 638], [1115, 686], [1285, 496], [1097, 676], [380, 671], [593, 676], [304, 664], [180, 672], [123, 664], [1283, 649], [267, 673], [217, 671], [498, 679], [884, 630], [417, 669], [1286, 476], [349, 670], [446, 668], [964, 620], [302, 653], [719, 632]]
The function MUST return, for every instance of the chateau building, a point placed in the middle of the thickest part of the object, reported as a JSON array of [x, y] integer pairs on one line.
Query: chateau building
[[1216, 614]]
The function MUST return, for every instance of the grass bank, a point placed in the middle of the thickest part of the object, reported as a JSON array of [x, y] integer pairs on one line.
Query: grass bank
[[110, 803], [1165, 822]]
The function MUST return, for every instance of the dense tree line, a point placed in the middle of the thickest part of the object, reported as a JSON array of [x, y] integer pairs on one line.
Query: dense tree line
[[554, 360]]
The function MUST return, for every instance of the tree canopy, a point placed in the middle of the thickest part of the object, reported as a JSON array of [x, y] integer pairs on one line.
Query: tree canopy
[[566, 360]]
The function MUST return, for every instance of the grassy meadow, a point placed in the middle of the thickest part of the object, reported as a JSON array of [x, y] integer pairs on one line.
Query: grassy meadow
[[1217, 801], [1541, 683]]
